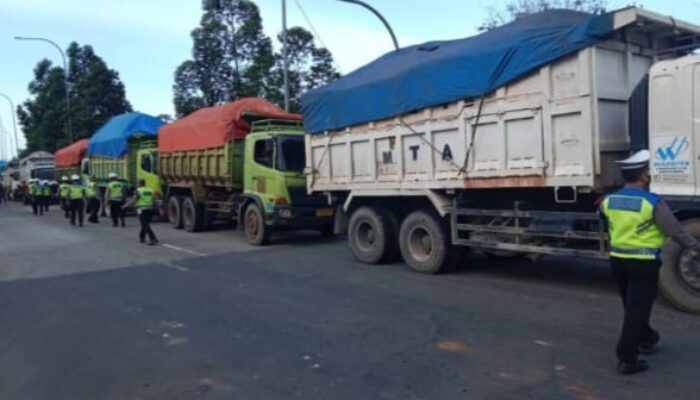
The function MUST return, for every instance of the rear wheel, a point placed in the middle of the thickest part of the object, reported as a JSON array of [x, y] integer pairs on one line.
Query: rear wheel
[[255, 230], [192, 219], [372, 235], [425, 243], [679, 278], [175, 211]]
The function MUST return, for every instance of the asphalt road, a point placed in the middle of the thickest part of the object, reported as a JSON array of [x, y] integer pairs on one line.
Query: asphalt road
[[92, 314]]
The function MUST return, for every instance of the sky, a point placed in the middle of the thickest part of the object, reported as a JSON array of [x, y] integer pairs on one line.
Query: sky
[[145, 40]]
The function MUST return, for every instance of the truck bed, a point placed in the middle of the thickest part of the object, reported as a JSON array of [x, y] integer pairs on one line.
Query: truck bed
[[220, 166]]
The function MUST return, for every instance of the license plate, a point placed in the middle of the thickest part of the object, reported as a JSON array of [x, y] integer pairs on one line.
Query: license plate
[[324, 212]]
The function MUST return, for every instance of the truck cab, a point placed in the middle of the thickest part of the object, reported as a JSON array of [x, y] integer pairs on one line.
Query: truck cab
[[274, 176]]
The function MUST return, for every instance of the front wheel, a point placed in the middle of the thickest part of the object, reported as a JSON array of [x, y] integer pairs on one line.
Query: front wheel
[[679, 278], [255, 230]]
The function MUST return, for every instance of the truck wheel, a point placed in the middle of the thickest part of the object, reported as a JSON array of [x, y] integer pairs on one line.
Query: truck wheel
[[679, 278], [255, 230], [191, 215], [175, 211], [372, 235], [425, 243]]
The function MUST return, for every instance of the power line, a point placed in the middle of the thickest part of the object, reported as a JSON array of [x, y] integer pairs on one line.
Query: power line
[[316, 34]]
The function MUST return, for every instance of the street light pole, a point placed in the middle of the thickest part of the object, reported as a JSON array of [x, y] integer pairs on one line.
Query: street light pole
[[378, 15], [65, 69], [285, 61], [14, 119]]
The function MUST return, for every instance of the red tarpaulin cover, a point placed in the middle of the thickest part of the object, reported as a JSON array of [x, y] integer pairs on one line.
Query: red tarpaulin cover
[[71, 155], [215, 126]]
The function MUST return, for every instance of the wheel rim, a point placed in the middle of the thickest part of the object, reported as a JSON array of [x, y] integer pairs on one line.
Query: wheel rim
[[689, 269], [420, 244], [172, 210], [251, 225], [366, 236]]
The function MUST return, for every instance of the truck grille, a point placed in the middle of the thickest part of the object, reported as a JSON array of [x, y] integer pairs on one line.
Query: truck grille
[[300, 198]]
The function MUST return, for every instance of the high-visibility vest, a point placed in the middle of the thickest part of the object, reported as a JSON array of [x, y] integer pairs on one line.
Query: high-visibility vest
[[76, 192], [91, 189], [46, 190], [63, 189], [34, 189], [631, 226], [145, 198], [116, 190]]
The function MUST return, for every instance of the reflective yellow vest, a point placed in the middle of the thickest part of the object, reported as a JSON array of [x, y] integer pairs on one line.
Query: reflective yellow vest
[[46, 190], [145, 198], [63, 189], [116, 190], [34, 189], [91, 189], [76, 192], [633, 232]]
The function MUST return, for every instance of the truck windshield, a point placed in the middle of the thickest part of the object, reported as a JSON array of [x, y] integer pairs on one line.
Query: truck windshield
[[43, 174], [290, 153]]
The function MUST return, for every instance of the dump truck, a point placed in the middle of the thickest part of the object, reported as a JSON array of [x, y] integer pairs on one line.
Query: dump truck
[[505, 142], [72, 160], [126, 145], [240, 162]]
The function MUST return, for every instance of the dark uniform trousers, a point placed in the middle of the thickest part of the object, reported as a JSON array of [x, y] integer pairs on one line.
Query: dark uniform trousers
[[93, 208], [116, 212], [37, 206], [46, 202], [77, 209], [145, 220], [637, 281]]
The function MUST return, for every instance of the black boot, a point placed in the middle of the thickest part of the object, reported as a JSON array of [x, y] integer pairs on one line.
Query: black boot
[[626, 368]]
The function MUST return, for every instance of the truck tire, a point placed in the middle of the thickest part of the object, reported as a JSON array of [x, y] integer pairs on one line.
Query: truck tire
[[175, 211], [192, 218], [425, 244], [679, 278], [372, 235], [254, 224]]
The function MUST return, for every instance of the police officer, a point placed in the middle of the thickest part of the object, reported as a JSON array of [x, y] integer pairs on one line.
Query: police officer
[[63, 195], [116, 193], [45, 195], [145, 203], [76, 200], [638, 223], [93, 204], [33, 191]]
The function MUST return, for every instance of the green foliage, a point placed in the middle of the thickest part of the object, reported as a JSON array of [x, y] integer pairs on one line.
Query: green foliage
[[232, 58], [96, 95], [517, 8]]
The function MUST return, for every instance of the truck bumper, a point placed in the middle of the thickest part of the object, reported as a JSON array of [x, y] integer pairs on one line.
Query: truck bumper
[[301, 217]]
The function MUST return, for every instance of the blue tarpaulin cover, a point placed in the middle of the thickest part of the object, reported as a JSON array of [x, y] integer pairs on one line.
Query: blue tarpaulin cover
[[3, 164], [112, 139], [439, 72]]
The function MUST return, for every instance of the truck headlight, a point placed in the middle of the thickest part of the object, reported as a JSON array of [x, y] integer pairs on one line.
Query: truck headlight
[[285, 213]]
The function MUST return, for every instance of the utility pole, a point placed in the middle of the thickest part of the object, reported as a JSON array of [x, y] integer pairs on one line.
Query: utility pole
[[67, 73], [378, 15], [285, 61], [14, 120]]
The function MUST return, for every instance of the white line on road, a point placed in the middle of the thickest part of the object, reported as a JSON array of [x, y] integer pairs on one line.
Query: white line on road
[[196, 253], [174, 266]]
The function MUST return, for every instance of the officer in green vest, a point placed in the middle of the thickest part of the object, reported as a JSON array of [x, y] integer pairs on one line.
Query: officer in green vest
[[116, 194], [45, 197], [145, 203], [33, 191], [93, 204], [638, 223], [63, 195], [76, 200]]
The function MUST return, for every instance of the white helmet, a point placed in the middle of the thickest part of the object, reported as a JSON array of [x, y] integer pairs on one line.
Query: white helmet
[[64, 178], [74, 178], [45, 182], [32, 180], [112, 175]]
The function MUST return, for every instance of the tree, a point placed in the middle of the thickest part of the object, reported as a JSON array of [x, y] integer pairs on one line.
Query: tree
[[517, 8], [96, 95], [308, 67], [231, 56]]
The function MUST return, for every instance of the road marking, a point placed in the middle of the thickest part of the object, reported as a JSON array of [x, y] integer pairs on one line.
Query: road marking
[[176, 248], [174, 266]]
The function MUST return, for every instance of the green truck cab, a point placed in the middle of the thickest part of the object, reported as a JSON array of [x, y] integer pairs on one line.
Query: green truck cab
[[258, 183]]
